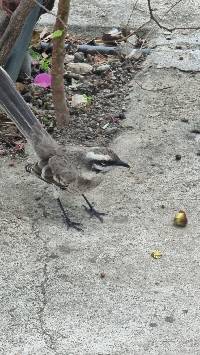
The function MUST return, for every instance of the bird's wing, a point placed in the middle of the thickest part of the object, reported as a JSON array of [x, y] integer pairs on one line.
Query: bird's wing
[[62, 172]]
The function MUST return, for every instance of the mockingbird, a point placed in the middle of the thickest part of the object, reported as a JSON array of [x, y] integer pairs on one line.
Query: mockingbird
[[71, 168]]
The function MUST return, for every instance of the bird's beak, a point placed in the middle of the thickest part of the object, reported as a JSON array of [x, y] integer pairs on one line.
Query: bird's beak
[[122, 163]]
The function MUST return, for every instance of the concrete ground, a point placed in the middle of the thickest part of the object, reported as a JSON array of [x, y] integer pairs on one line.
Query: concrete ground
[[53, 298]]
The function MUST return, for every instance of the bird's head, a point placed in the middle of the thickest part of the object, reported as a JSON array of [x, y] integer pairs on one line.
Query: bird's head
[[102, 159]]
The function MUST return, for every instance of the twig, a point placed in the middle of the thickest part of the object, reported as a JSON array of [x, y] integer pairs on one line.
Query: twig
[[164, 27], [51, 13]]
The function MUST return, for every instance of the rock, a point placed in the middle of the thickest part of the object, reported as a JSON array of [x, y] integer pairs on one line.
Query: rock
[[78, 100], [102, 68], [138, 53], [135, 54], [27, 97], [79, 57], [68, 58], [79, 68], [111, 130]]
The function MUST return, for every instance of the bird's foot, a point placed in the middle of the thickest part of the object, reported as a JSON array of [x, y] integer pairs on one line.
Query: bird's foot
[[67, 220], [92, 211], [71, 224]]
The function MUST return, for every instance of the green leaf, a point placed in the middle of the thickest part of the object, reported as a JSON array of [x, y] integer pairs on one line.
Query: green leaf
[[35, 55], [57, 34], [44, 64], [88, 99]]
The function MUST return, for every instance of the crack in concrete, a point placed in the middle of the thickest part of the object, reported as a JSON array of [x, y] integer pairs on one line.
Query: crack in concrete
[[48, 338]]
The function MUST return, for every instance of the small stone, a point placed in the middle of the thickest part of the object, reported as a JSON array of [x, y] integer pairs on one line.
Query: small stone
[[135, 54], [39, 102], [111, 130], [80, 68], [78, 100], [102, 275], [122, 116], [153, 325], [185, 120], [27, 97], [79, 57], [178, 157], [169, 319], [185, 311], [12, 163], [102, 68], [68, 58]]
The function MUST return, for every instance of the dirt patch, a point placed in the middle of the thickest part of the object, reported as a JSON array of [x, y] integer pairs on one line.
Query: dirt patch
[[105, 89]]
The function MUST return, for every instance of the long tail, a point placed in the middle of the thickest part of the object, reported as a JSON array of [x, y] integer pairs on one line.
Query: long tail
[[20, 113]]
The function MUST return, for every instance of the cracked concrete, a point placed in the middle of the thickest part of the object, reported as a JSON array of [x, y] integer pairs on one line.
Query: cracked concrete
[[53, 298]]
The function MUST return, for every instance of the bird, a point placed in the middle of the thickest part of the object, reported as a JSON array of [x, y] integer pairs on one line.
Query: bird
[[75, 169]]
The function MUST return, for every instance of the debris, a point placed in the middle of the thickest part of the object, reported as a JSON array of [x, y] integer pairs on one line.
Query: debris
[[20, 87], [43, 80], [185, 120], [180, 219], [102, 275], [122, 116], [195, 131], [87, 48], [156, 254], [44, 33], [19, 147], [112, 36], [178, 157], [106, 125], [11, 163], [2, 152], [80, 68]]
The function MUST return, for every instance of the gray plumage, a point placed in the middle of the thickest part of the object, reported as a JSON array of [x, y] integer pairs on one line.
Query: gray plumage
[[75, 169]]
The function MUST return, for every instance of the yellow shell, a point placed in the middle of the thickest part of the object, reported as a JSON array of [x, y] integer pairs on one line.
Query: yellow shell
[[156, 254], [180, 219]]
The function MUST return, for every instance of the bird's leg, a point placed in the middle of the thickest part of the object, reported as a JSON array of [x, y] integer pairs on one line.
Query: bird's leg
[[69, 223], [92, 211]]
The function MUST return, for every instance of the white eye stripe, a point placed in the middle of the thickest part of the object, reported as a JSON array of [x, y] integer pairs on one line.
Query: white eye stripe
[[95, 156]]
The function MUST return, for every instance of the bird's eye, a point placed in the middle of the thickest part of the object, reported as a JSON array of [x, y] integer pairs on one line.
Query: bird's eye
[[102, 163]]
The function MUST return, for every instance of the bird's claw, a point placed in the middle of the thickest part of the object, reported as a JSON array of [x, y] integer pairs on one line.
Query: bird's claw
[[71, 224], [94, 213]]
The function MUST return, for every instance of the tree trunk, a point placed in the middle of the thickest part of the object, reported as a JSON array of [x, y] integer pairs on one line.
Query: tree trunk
[[58, 54], [14, 28]]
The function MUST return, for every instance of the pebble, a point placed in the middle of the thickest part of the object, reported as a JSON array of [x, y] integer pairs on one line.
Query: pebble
[[79, 57], [102, 68], [68, 58], [80, 68]]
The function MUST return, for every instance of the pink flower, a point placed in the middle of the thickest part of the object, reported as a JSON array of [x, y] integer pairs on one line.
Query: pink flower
[[43, 80]]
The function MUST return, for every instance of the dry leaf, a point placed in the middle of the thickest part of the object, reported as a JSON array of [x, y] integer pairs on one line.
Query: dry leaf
[[156, 254]]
